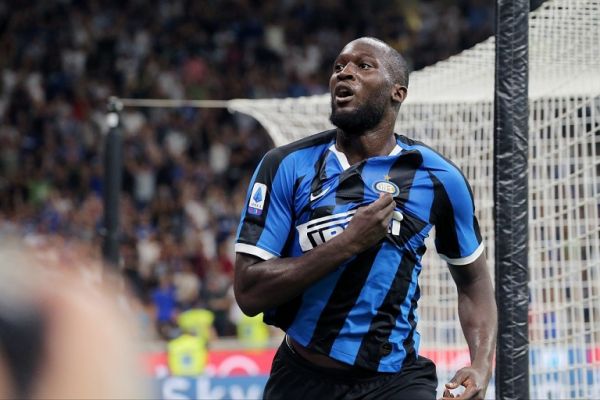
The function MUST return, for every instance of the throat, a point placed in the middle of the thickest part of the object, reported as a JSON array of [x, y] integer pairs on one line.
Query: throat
[[358, 148]]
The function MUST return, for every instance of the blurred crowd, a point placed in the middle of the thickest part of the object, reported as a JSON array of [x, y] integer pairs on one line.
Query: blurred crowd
[[186, 170]]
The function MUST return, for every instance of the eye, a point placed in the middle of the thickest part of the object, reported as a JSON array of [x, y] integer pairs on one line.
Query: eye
[[338, 67], [365, 66]]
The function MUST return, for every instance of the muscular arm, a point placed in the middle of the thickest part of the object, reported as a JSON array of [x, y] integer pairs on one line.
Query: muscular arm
[[260, 285], [478, 318]]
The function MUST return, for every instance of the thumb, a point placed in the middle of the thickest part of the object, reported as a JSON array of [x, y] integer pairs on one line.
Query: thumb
[[455, 381], [451, 385]]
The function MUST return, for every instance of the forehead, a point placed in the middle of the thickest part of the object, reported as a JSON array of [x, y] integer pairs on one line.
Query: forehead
[[364, 47]]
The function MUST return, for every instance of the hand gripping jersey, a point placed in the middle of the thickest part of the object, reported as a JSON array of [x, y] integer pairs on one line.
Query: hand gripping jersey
[[364, 312]]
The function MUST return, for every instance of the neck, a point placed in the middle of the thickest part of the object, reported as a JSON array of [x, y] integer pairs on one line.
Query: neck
[[358, 146]]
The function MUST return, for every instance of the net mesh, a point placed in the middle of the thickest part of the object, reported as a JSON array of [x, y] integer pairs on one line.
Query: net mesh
[[450, 107]]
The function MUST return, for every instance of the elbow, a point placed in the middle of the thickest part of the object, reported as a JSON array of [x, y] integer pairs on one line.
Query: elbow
[[249, 309], [247, 304]]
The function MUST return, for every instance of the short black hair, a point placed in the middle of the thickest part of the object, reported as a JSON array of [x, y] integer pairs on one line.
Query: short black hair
[[396, 64]]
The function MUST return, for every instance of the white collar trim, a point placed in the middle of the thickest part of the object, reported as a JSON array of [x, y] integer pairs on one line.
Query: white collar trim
[[344, 160], [340, 156]]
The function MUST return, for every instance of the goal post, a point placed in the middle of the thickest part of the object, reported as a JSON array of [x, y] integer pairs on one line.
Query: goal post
[[510, 161]]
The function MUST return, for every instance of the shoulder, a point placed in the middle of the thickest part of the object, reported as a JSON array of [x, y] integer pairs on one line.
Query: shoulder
[[301, 150], [290, 160], [433, 161], [307, 143]]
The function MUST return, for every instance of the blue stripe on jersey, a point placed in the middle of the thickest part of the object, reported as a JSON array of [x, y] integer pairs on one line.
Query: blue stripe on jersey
[[460, 197], [352, 314], [314, 301], [393, 361], [372, 295], [278, 221], [461, 201], [248, 194], [420, 197]]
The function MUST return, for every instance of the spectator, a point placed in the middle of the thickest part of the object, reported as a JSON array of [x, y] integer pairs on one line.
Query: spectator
[[164, 301], [185, 171], [187, 286]]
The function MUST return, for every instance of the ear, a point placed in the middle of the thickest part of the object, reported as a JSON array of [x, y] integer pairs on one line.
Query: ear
[[399, 93]]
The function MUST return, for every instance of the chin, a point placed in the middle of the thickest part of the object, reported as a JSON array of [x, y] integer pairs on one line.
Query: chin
[[347, 120]]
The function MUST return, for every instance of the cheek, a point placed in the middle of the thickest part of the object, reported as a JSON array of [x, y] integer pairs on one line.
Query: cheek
[[380, 92], [331, 82]]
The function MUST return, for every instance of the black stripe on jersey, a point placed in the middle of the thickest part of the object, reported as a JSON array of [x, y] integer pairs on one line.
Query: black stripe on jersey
[[342, 300], [319, 212], [375, 344], [402, 173], [320, 174], [442, 215], [283, 316], [296, 186], [408, 141], [409, 342], [477, 230], [412, 142], [351, 188], [253, 225], [317, 182], [409, 227]]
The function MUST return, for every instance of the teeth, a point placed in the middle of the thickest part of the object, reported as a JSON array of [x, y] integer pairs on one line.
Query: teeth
[[343, 92]]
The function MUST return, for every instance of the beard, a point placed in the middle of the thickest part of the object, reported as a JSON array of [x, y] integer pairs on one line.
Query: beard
[[362, 118]]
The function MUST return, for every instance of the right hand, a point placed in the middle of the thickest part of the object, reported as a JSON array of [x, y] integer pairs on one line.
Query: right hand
[[370, 223]]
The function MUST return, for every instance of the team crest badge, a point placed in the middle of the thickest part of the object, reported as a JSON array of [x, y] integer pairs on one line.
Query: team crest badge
[[257, 199], [386, 186]]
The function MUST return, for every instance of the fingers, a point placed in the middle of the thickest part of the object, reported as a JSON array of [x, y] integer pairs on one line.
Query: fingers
[[452, 384], [469, 393], [458, 379], [384, 200], [447, 395], [388, 212], [383, 207], [462, 378]]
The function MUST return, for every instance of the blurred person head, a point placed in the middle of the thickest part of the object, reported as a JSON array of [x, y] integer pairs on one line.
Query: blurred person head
[[62, 336]]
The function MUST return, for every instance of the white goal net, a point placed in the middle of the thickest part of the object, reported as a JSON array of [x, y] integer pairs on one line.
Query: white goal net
[[450, 107]]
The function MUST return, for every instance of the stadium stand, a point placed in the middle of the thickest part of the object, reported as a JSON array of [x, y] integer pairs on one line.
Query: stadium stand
[[186, 170]]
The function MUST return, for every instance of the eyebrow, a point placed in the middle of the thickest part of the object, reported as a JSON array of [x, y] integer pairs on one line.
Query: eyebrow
[[360, 56]]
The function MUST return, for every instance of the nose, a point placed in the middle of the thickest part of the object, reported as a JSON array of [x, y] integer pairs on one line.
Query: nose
[[347, 72]]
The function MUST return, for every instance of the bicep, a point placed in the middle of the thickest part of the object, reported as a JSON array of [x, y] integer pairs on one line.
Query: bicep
[[266, 219], [472, 276], [458, 239], [243, 261]]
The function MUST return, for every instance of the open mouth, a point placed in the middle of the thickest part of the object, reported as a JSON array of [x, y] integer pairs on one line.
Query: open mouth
[[343, 94]]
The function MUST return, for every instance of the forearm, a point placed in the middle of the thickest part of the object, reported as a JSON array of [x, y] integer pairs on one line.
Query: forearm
[[478, 317], [267, 284], [262, 285]]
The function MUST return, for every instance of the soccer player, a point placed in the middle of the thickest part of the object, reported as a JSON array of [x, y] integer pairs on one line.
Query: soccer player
[[330, 243]]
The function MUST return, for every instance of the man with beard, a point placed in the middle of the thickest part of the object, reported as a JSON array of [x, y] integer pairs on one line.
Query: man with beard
[[330, 243]]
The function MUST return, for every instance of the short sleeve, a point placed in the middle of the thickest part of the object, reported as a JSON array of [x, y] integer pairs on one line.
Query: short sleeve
[[458, 239], [267, 215]]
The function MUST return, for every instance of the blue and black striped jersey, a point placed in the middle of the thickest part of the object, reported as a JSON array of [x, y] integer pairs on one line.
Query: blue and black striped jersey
[[364, 312]]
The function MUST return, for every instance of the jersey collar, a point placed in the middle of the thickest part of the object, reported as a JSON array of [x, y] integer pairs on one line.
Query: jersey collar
[[344, 160]]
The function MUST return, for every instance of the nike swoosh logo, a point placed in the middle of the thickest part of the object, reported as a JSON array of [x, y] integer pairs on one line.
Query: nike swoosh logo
[[319, 195]]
